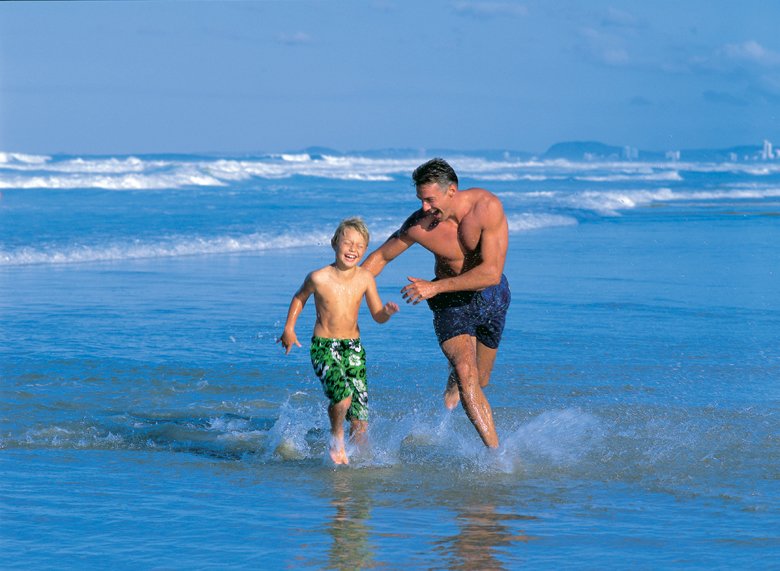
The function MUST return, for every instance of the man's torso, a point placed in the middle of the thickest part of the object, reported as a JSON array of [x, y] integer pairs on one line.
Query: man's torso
[[455, 245]]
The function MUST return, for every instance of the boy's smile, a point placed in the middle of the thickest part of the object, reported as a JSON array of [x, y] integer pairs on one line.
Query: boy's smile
[[351, 248]]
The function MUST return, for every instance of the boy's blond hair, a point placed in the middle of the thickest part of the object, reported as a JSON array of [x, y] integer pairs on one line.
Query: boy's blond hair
[[356, 223]]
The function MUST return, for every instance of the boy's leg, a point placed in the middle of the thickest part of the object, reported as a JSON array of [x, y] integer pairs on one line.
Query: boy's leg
[[357, 432], [337, 413]]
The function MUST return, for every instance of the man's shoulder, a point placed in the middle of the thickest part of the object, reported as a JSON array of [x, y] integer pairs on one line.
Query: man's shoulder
[[418, 220], [478, 194], [484, 204]]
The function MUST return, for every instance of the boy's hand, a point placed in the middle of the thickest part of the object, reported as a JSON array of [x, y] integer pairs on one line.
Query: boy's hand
[[288, 339], [390, 308]]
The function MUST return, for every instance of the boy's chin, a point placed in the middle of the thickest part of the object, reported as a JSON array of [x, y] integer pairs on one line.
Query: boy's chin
[[348, 263]]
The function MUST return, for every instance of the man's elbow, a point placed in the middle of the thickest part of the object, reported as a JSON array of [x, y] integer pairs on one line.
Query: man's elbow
[[371, 263], [494, 276]]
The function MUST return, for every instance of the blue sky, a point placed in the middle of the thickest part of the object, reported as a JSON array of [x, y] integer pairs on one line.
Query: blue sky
[[132, 77]]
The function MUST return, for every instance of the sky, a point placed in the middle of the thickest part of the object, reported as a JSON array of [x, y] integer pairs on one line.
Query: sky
[[273, 76]]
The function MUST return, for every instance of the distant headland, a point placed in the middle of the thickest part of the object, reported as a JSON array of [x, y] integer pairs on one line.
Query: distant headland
[[576, 151]]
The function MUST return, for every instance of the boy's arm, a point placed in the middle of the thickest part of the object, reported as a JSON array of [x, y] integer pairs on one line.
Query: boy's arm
[[289, 338], [380, 313]]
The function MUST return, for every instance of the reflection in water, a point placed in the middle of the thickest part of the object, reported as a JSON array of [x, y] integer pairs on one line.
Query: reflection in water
[[350, 548], [482, 534]]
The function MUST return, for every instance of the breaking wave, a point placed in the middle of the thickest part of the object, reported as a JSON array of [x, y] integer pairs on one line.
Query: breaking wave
[[23, 171]]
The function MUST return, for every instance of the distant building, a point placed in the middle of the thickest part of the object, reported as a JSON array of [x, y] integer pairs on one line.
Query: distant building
[[673, 155], [767, 154], [630, 153]]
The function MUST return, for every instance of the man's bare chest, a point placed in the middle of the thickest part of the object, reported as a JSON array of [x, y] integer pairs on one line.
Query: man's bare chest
[[450, 240]]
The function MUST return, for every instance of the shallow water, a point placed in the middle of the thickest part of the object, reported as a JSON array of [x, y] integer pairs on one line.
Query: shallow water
[[149, 419]]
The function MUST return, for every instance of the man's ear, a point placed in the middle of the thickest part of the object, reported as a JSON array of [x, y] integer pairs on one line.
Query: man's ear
[[451, 190]]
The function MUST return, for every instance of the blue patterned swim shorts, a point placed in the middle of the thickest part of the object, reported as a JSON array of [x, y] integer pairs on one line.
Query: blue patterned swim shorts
[[481, 314]]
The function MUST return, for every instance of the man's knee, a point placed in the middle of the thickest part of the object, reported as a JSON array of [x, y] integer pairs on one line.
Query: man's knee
[[466, 372]]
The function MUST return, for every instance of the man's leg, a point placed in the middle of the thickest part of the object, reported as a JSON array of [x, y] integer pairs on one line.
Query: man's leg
[[337, 413], [485, 359], [462, 354], [451, 392]]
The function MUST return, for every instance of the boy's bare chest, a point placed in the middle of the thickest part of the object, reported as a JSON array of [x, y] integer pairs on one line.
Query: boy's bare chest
[[335, 292]]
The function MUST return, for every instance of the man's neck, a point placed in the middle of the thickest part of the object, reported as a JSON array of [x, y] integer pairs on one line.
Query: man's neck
[[460, 207]]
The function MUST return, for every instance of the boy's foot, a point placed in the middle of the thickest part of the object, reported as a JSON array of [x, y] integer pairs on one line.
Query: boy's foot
[[337, 453]]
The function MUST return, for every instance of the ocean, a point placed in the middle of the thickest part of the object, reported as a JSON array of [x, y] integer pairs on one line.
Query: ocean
[[149, 419]]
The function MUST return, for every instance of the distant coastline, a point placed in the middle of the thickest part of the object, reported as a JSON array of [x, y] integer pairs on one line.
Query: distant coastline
[[574, 151], [595, 151]]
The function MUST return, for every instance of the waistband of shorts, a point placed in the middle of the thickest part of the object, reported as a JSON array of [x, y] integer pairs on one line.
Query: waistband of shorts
[[332, 339], [464, 297]]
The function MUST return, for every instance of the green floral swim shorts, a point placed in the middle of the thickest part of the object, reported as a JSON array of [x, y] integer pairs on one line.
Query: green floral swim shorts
[[340, 365]]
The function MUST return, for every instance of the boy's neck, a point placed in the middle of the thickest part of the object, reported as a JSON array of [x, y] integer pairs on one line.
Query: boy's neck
[[344, 270]]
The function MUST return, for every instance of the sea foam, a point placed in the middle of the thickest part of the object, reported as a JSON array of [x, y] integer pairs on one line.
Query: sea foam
[[182, 246]]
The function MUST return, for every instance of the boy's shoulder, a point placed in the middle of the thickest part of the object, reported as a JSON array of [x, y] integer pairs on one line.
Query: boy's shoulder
[[365, 274], [321, 274]]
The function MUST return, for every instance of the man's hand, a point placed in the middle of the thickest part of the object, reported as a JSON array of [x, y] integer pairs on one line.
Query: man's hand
[[418, 290]]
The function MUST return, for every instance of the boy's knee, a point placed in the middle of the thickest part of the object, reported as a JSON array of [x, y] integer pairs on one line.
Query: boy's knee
[[343, 404]]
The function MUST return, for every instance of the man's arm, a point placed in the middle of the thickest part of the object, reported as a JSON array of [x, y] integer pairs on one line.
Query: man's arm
[[494, 241], [393, 247], [493, 246]]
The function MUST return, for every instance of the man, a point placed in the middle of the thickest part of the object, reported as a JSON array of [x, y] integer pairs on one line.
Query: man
[[466, 230]]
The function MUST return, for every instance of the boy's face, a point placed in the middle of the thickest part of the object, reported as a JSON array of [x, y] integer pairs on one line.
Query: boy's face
[[350, 248]]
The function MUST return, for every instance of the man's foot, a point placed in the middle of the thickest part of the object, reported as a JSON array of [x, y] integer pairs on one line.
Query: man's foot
[[451, 394]]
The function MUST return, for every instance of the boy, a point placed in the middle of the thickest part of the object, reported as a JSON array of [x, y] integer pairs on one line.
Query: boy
[[337, 356]]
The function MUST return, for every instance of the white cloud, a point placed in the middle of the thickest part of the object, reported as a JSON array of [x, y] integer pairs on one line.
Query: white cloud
[[604, 48], [749, 52], [294, 39], [490, 9], [751, 70], [620, 19]]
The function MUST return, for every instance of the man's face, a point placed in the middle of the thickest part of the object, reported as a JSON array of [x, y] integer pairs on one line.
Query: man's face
[[435, 199]]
